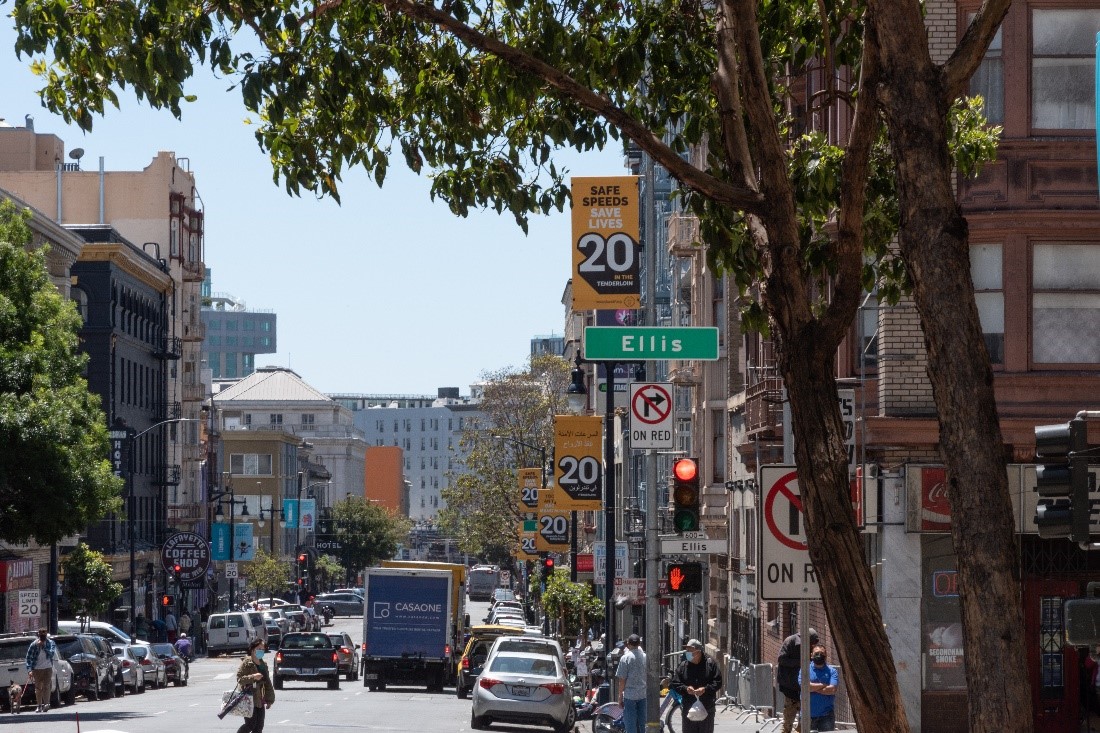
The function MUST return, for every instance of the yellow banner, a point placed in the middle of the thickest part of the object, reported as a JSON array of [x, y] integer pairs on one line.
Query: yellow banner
[[578, 467], [553, 532], [530, 481], [527, 549], [605, 247]]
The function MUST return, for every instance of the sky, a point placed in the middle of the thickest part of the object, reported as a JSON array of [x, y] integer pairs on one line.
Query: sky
[[387, 293]]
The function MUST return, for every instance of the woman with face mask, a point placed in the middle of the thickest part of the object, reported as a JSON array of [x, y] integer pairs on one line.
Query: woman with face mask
[[253, 674]]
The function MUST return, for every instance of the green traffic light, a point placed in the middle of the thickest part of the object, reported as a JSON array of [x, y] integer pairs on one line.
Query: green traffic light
[[686, 520]]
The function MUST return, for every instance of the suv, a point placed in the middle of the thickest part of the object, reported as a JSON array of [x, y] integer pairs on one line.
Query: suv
[[348, 655], [92, 674], [477, 650], [13, 670], [116, 664]]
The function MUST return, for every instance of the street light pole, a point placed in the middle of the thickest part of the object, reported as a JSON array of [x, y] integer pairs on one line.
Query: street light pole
[[131, 507]]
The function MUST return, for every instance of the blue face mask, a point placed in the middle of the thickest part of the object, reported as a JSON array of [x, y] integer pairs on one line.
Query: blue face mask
[[259, 654], [687, 656]]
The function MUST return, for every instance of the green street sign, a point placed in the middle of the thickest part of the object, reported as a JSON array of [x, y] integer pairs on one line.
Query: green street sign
[[530, 525], [650, 343]]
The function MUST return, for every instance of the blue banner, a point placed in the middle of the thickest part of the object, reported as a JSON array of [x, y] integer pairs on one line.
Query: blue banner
[[219, 542], [290, 513], [308, 514], [243, 547]]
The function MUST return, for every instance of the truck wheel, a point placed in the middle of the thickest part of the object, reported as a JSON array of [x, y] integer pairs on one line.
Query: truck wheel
[[460, 691], [478, 723], [381, 685], [277, 682], [334, 683]]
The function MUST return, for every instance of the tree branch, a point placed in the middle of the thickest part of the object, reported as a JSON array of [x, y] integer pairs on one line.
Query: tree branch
[[972, 47], [691, 177], [727, 92]]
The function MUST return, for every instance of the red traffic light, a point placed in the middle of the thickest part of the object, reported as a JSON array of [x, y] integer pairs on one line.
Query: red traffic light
[[176, 568], [685, 469], [303, 557]]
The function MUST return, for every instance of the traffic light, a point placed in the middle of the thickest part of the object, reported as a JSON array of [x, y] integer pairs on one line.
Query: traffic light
[[1062, 480], [685, 495], [176, 570], [547, 567], [685, 577], [167, 600], [303, 558]]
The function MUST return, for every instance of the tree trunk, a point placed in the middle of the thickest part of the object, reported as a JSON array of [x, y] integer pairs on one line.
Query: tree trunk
[[847, 589], [934, 244]]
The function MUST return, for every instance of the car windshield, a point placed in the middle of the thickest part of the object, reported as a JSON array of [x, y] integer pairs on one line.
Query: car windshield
[[517, 664], [525, 647], [306, 641], [140, 651], [70, 647], [164, 650]]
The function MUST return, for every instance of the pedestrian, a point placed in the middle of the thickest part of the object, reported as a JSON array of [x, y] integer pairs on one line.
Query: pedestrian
[[185, 623], [40, 656], [632, 679], [171, 626], [823, 681], [141, 627], [786, 676], [254, 676], [697, 677]]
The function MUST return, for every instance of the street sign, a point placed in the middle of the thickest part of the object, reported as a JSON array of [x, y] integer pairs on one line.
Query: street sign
[[651, 415], [30, 604], [648, 343], [231, 570], [847, 400], [599, 556], [190, 551], [694, 547], [553, 532], [606, 252], [527, 549], [787, 573], [578, 468], [530, 481]]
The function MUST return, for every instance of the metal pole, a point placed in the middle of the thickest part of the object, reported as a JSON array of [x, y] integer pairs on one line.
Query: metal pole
[[51, 581], [232, 541], [609, 506], [653, 558], [131, 512], [573, 546], [804, 635]]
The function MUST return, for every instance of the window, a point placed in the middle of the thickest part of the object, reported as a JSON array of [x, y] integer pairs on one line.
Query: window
[[249, 361], [1065, 302], [250, 464], [985, 270], [276, 418], [230, 325], [81, 299], [1062, 68], [231, 365], [308, 419], [231, 341], [248, 325], [248, 418], [988, 81]]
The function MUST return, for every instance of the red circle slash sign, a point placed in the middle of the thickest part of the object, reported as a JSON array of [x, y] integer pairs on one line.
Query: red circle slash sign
[[794, 519], [652, 400]]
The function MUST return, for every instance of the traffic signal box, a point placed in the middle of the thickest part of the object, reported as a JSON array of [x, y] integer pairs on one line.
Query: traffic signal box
[[167, 601], [685, 495], [547, 567], [685, 577], [1062, 481]]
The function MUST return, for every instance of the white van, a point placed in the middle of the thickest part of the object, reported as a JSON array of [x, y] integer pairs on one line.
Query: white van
[[113, 634], [229, 632]]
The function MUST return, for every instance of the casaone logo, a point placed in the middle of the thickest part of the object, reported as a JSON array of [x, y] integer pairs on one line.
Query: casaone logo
[[381, 610], [432, 607]]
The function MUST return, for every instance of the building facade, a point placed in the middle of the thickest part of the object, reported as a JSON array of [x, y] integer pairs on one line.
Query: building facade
[[235, 334]]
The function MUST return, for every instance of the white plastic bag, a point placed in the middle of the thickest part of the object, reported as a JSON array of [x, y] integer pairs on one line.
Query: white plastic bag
[[697, 711], [236, 703]]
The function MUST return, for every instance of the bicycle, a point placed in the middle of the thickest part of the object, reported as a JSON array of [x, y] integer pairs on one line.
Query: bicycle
[[669, 705]]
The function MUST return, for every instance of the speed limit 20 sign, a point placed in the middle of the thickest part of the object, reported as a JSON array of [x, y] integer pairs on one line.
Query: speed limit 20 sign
[[30, 604], [553, 532], [605, 243], [578, 462]]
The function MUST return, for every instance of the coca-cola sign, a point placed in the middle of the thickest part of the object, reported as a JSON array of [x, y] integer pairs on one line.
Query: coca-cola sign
[[935, 510]]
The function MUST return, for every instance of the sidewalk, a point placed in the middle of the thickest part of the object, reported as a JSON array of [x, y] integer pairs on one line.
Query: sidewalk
[[735, 720]]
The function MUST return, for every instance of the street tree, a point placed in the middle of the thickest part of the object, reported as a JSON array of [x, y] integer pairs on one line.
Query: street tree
[[268, 574], [368, 533], [90, 587], [480, 95], [514, 429], [572, 604], [329, 569], [55, 478]]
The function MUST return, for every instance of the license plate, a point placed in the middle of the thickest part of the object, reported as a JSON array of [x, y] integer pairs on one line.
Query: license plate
[[521, 691], [370, 676], [309, 671], [234, 633]]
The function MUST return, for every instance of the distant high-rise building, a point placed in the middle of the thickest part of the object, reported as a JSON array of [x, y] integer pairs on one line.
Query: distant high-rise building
[[235, 333], [541, 345]]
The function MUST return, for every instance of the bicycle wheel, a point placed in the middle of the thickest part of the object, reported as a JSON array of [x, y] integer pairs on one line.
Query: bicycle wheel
[[671, 715]]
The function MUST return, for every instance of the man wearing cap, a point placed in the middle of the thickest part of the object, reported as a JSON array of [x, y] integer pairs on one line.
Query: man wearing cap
[[632, 678], [786, 676], [697, 677]]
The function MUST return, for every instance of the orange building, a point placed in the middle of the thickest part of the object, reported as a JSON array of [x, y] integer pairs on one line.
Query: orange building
[[385, 478]]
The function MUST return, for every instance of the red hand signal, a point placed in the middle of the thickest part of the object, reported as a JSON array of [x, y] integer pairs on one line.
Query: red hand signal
[[675, 579]]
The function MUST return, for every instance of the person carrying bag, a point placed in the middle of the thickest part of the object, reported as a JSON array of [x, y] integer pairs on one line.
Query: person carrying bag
[[697, 679], [253, 677]]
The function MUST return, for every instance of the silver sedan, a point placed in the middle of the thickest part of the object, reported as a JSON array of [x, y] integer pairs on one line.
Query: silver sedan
[[525, 688]]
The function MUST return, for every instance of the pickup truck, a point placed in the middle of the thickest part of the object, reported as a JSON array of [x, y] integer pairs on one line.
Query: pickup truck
[[309, 657]]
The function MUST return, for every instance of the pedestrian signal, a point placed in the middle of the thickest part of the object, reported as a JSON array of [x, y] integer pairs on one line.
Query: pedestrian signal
[[685, 577], [685, 495], [167, 600]]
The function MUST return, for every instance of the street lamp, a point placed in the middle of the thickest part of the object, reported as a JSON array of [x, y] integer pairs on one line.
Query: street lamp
[[233, 502], [131, 507], [270, 511]]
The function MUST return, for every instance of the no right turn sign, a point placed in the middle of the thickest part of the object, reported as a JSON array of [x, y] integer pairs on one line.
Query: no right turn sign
[[785, 572]]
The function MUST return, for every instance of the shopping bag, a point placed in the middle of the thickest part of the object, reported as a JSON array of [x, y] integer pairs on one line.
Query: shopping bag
[[697, 711], [237, 702]]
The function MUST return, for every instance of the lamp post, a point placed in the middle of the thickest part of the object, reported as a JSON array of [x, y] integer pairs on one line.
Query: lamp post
[[130, 438], [233, 501], [542, 467], [270, 511]]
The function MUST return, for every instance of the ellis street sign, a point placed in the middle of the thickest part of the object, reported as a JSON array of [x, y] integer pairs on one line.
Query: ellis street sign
[[649, 343]]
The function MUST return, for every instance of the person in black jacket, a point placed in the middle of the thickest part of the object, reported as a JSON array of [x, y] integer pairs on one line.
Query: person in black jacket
[[786, 676], [697, 676]]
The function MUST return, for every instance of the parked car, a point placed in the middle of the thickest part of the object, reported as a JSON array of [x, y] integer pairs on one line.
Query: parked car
[[264, 603], [343, 604], [258, 625], [502, 594], [274, 633], [116, 666], [348, 662], [527, 644], [296, 614], [357, 591], [176, 669], [156, 674], [111, 633], [13, 669], [132, 674], [229, 632], [92, 675], [523, 687], [476, 652]]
